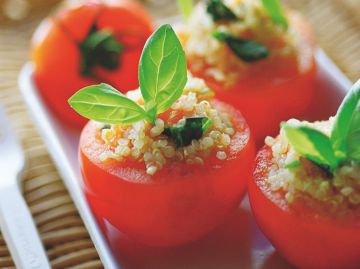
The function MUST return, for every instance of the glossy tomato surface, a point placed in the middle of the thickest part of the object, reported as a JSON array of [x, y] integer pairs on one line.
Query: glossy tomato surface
[[272, 90], [180, 203], [309, 237], [58, 58]]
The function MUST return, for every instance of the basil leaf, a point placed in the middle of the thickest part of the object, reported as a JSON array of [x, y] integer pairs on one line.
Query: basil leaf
[[345, 135], [219, 11], [311, 144], [186, 7], [353, 139], [105, 104], [100, 48], [276, 12], [162, 69], [191, 128], [245, 49]]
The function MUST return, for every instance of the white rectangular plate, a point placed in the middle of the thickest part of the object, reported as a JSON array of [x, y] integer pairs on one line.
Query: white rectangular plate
[[237, 244]]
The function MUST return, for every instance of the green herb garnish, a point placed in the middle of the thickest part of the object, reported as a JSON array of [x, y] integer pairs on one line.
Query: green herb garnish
[[345, 136], [100, 48], [343, 143], [276, 12], [219, 11], [162, 71], [106, 126], [186, 8], [191, 128], [162, 77], [105, 104], [245, 49], [311, 144]]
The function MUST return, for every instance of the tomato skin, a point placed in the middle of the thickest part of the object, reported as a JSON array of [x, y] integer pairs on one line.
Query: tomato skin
[[180, 203], [272, 90], [307, 238], [57, 58]]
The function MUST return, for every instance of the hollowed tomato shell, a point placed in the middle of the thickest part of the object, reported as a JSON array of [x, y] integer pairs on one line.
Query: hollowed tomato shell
[[307, 237], [180, 203]]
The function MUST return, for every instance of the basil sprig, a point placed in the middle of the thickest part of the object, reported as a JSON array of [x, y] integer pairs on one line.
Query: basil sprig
[[275, 10], [162, 76], [343, 143], [191, 128], [219, 11], [245, 49], [311, 144]]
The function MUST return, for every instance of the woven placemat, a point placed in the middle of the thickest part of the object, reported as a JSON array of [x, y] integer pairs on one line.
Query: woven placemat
[[336, 23]]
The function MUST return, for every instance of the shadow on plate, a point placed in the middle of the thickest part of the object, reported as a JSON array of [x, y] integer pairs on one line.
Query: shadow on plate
[[228, 247]]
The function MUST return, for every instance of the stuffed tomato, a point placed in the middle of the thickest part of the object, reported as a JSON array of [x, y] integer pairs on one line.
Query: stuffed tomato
[[93, 42], [255, 56], [168, 163], [166, 196], [306, 190]]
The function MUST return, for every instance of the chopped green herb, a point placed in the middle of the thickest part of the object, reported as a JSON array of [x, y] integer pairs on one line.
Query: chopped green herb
[[186, 7], [191, 128], [206, 124], [100, 48], [245, 49], [105, 126], [219, 11], [276, 12], [343, 143]]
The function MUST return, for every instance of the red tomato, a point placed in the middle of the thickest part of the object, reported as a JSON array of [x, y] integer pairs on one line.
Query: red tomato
[[307, 237], [180, 203], [274, 89], [59, 62]]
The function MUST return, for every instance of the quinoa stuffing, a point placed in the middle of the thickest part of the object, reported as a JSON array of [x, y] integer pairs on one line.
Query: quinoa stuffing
[[146, 143], [339, 190], [252, 22]]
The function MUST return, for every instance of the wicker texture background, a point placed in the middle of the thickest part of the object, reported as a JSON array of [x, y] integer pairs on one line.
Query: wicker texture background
[[337, 26]]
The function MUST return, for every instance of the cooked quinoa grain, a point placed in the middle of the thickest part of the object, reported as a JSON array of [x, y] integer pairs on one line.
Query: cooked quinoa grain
[[209, 54], [340, 190], [146, 143]]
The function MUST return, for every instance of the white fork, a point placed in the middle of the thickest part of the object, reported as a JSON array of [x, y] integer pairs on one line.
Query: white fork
[[16, 222]]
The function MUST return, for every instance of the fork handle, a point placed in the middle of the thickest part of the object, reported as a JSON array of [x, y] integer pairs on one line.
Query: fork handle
[[19, 231]]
